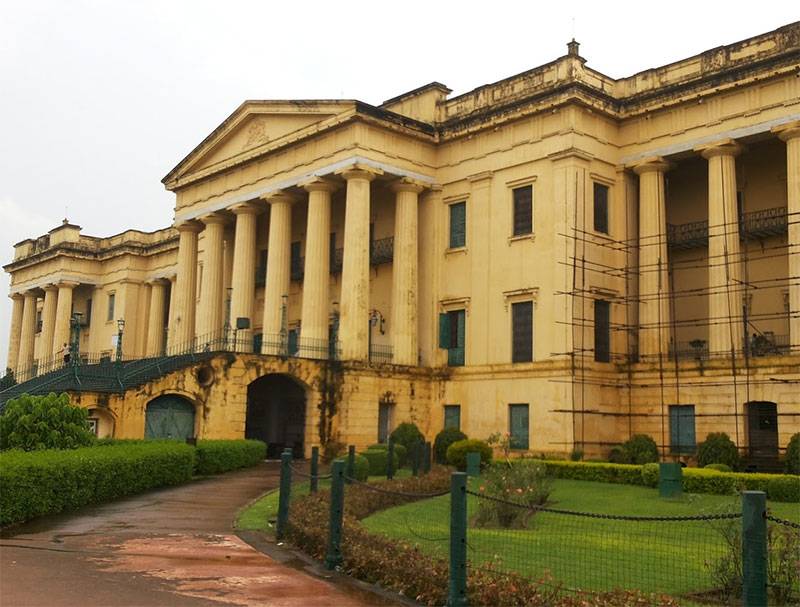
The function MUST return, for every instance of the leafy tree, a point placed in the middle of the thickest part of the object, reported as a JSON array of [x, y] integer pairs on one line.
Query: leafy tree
[[7, 380], [32, 423], [442, 442], [718, 448], [793, 454], [407, 434]]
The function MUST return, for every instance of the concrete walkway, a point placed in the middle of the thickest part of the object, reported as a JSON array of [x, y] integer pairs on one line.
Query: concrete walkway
[[173, 547]]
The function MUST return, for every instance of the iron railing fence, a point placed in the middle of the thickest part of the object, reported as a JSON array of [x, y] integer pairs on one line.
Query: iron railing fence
[[755, 225]]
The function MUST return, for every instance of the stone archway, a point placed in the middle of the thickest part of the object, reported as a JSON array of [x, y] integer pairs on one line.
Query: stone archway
[[276, 413], [169, 416]]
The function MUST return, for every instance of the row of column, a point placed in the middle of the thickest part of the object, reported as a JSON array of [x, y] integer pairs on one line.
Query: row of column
[[56, 313], [725, 278], [354, 300]]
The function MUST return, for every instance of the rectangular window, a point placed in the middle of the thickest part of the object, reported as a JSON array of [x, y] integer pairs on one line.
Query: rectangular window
[[452, 336], [522, 332], [523, 210], [601, 208], [458, 225], [111, 302], [518, 426], [292, 345], [602, 331], [38, 321], [452, 416], [681, 429], [87, 321], [332, 252], [296, 261], [385, 411]]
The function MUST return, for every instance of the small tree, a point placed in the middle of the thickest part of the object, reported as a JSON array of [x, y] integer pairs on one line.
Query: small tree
[[641, 449], [407, 434], [443, 440], [718, 448], [7, 380], [32, 423], [793, 454]]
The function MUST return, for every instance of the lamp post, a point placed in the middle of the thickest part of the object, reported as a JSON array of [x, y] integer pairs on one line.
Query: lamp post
[[375, 318], [227, 328], [120, 329], [75, 337]]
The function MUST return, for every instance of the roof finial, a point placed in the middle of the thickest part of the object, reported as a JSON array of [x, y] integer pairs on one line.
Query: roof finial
[[572, 48]]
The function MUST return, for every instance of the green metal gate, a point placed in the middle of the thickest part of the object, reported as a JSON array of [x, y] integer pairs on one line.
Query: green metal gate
[[169, 416]]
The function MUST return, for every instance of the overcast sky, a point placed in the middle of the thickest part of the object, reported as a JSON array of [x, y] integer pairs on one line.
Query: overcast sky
[[99, 100]]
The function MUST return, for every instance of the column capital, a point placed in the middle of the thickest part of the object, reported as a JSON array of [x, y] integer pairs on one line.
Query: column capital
[[725, 147], [279, 196], [245, 208], [406, 184], [50, 287], [214, 218], [190, 226], [652, 164], [319, 184], [787, 131], [359, 171], [156, 281], [67, 284]]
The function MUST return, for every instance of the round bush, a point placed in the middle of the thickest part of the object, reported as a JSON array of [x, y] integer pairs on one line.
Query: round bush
[[793, 454], [361, 468], [784, 489], [618, 455], [718, 448], [378, 459], [457, 452], [641, 449], [443, 440], [650, 474], [407, 434], [33, 423], [718, 467]]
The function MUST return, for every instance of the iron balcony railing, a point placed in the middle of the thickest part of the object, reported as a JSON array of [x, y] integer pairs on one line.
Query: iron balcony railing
[[756, 224], [755, 345], [380, 353]]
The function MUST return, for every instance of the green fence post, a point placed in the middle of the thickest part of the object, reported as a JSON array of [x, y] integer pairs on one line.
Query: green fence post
[[334, 557], [314, 481], [754, 548], [426, 458], [473, 463], [285, 494], [415, 458], [457, 593], [390, 460], [351, 463], [670, 479]]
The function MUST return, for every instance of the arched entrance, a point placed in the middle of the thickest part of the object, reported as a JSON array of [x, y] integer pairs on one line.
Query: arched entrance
[[169, 416], [276, 414]]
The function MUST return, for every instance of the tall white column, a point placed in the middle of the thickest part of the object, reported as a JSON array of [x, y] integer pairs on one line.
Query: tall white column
[[790, 133], [46, 349], [210, 320], [404, 273], [155, 321], [27, 338], [185, 290], [316, 280], [726, 290], [15, 331], [62, 329], [243, 280], [354, 320], [654, 316], [278, 269]]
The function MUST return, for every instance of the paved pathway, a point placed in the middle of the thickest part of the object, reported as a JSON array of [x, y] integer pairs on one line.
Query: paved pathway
[[173, 547]]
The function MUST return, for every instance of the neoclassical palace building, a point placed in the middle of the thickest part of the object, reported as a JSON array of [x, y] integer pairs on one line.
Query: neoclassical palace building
[[560, 255]]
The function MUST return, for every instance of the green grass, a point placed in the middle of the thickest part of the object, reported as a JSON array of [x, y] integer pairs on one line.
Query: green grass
[[587, 553]]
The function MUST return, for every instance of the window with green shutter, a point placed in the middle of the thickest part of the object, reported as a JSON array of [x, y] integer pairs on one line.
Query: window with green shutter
[[523, 210], [602, 331], [601, 208], [522, 332], [452, 416], [518, 426], [681, 429], [458, 225], [452, 336]]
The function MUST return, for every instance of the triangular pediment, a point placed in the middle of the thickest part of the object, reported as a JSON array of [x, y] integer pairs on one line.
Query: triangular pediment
[[253, 126]]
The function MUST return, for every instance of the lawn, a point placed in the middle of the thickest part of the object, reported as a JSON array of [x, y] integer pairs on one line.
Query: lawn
[[588, 553]]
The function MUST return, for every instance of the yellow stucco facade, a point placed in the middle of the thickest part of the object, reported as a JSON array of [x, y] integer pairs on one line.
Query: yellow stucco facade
[[561, 255]]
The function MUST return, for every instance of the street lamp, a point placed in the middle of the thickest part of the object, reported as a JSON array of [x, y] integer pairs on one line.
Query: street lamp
[[120, 329]]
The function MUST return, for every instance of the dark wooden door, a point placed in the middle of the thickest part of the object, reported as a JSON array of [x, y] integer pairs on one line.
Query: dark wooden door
[[762, 427]]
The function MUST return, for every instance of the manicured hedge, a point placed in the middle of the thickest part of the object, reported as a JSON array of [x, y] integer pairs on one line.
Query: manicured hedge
[[378, 459], [46, 482], [778, 487], [215, 456]]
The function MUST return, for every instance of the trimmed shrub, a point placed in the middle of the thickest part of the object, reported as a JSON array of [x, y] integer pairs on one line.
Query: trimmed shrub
[[215, 456], [457, 452], [618, 455], [443, 440], [400, 452], [361, 468], [718, 448], [625, 474], [793, 455], [32, 423], [378, 459], [703, 480], [784, 488], [641, 449], [650, 475], [718, 467], [50, 481], [407, 434]]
